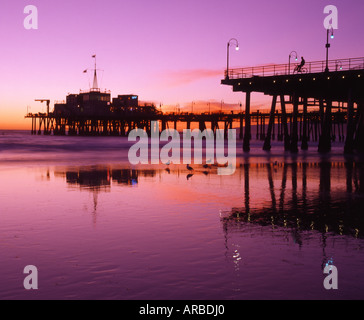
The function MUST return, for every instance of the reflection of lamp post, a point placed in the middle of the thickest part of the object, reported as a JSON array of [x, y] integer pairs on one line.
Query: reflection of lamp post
[[289, 60], [228, 47], [209, 104], [192, 106], [331, 30]]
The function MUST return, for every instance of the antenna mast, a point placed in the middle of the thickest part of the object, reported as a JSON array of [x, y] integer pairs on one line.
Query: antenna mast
[[95, 85]]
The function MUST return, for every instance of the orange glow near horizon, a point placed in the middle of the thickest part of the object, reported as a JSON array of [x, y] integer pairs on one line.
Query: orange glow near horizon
[[13, 118]]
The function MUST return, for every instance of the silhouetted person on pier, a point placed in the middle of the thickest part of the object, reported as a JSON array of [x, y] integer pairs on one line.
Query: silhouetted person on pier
[[300, 66]]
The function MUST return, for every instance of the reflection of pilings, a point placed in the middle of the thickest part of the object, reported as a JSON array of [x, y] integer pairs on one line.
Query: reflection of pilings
[[304, 186], [349, 176], [283, 187], [246, 188], [324, 190], [325, 178], [361, 178], [271, 187], [294, 185], [302, 211]]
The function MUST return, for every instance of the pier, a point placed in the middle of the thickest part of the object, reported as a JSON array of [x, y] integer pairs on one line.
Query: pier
[[326, 87], [315, 105]]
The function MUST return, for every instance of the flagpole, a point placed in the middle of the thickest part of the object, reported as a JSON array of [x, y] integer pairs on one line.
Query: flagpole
[[95, 86]]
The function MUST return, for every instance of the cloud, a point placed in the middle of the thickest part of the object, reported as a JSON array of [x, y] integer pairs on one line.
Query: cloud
[[184, 77]]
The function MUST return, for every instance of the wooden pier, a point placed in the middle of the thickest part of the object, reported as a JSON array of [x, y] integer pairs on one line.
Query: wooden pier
[[309, 127], [340, 88], [314, 106]]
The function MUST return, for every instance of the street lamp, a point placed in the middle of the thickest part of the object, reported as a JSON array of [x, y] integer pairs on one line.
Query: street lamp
[[330, 32], [289, 60], [236, 43]]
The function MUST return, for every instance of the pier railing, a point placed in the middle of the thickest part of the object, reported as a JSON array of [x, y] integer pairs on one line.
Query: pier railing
[[288, 69]]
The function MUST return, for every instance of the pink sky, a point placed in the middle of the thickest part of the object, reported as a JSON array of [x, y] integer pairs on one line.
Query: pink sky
[[169, 52]]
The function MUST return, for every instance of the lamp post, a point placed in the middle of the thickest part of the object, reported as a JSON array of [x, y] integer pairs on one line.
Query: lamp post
[[289, 60], [329, 31], [236, 43]]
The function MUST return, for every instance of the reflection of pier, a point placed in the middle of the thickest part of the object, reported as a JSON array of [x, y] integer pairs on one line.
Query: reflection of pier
[[306, 205], [339, 89], [98, 178]]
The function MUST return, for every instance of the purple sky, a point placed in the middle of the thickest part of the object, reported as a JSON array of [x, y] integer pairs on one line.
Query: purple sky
[[169, 52]]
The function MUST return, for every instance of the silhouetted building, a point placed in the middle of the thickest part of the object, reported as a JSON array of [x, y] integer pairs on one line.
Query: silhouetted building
[[97, 103]]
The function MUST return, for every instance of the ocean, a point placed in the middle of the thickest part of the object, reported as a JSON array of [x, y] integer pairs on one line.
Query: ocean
[[97, 227]]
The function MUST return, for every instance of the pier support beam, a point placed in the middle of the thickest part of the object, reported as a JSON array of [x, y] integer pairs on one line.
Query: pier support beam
[[294, 134], [359, 137], [349, 143], [267, 143], [247, 133], [325, 138], [32, 132], [304, 144], [287, 139], [241, 133]]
